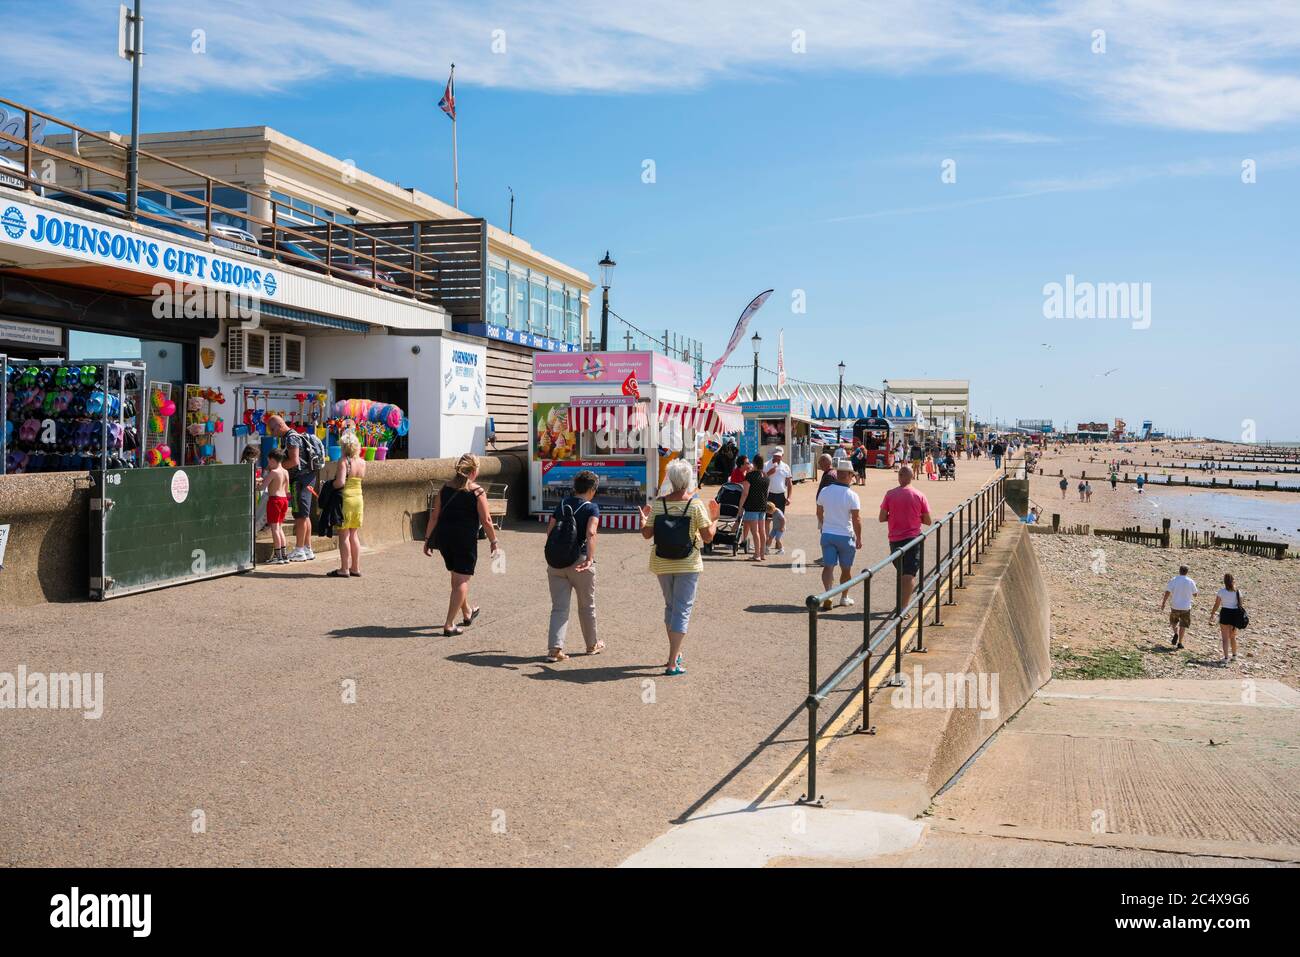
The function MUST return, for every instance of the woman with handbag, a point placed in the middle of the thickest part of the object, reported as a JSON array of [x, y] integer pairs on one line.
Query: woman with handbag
[[454, 521], [678, 523], [1232, 617]]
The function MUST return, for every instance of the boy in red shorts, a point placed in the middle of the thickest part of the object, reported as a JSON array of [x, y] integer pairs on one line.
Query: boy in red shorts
[[275, 482]]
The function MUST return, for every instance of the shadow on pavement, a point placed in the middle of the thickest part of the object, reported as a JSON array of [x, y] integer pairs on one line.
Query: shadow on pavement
[[382, 631]]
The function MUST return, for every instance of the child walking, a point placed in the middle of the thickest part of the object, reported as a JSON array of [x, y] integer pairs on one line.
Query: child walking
[[777, 518], [275, 483]]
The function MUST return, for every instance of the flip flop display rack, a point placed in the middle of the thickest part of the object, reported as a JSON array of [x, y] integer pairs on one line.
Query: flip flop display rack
[[66, 416]]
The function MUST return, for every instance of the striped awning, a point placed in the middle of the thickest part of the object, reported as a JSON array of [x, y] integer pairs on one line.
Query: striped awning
[[710, 417], [615, 418]]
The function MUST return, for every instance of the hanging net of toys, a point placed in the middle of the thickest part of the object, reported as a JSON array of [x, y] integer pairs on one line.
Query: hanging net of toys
[[376, 424], [62, 416]]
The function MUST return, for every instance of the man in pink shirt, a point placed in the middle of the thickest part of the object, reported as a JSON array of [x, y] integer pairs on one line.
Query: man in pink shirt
[[906, 510]]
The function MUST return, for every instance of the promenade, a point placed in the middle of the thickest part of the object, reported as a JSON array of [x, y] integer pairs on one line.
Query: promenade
[[224, 707]]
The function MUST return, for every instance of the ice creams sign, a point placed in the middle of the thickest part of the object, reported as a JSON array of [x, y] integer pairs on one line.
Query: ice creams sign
[[41, 229]]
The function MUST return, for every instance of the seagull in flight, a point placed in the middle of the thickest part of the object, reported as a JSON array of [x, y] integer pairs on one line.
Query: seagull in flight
[[1102, 375]]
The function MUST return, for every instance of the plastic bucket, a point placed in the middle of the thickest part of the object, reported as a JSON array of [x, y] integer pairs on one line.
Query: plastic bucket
[[336, 452], [381, 453], [370, 453]]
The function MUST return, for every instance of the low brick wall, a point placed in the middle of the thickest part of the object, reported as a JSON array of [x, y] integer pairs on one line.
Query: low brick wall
[[47, 558]]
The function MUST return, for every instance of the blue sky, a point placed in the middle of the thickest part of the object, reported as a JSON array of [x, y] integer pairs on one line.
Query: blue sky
[[817, 171]]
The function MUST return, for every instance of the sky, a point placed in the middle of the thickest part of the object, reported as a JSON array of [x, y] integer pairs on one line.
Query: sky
[[912, 179]]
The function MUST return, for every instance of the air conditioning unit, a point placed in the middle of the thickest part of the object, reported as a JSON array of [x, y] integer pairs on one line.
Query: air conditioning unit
[[287, 355], [246, 351]]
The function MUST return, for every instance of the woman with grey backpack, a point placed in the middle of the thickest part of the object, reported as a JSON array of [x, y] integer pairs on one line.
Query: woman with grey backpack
[[571, 565], [678, 523]]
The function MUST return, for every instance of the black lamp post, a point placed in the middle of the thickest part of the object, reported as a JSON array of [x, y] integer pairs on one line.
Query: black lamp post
[[884, 398], [606, 280], [839, 405], [757, 341]]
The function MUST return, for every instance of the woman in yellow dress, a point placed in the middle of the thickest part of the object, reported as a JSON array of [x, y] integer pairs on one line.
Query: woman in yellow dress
[[352, 469]]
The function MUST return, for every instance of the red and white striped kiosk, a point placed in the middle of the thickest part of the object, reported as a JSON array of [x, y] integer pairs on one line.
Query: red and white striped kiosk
[[622, 415]]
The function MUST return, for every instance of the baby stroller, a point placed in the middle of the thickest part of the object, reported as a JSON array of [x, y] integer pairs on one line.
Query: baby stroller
[[947, 471], [731, 527]]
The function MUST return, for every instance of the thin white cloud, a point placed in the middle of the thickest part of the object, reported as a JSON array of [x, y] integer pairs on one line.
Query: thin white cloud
[[1185, 64], [1007, 137]]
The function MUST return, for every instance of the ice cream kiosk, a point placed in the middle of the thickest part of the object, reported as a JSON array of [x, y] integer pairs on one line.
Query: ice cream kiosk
[[784, 423], [622, 415], [876, 436]]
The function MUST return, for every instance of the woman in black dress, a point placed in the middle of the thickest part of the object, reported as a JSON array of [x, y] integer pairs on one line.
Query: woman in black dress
[[457, 513]]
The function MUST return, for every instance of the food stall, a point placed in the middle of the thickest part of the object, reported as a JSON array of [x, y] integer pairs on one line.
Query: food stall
[[623, 415], [787, 423], [876, 434]]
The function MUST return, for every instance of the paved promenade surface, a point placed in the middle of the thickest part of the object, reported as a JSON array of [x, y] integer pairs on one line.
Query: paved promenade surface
[[225, 697]]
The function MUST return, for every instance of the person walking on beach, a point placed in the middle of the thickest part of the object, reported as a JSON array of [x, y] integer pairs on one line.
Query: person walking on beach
[[753, 506], [1114, 480], [352, 470], [1232, 617], [1081, 489], [1178, 595], [839, 519], [1087, 490], [1065, 486], [458, 513], [906, 510], [678, 523], [571, 565], [1140, 481]]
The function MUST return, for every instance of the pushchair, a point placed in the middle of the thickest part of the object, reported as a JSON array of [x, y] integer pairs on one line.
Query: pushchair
[[731, 527], [947, 471]]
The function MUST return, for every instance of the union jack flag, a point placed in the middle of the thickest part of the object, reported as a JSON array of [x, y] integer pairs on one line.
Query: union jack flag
[[448, 102]]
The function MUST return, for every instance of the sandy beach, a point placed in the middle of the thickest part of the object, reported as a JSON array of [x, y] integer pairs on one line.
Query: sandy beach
[[1106, 594]]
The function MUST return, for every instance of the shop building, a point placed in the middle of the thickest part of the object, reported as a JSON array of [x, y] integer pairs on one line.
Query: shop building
[[284, 317], [512, 298]]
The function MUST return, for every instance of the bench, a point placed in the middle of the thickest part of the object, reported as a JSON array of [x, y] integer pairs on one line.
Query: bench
[[497, 499]]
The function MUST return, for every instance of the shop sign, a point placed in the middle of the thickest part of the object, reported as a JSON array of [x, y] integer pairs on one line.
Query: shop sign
[[30, 334], [40, 229], [520, 338], [590, 367], [464, 385], [601, 401]]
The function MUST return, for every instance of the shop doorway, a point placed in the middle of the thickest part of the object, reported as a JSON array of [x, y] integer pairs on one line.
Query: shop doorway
[[393, 391]]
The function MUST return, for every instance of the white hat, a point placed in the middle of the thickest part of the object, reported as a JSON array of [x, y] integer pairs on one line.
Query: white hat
[[778, 451], [843, 465]]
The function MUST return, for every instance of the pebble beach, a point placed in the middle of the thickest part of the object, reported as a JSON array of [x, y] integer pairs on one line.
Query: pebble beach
[[1106, 594]]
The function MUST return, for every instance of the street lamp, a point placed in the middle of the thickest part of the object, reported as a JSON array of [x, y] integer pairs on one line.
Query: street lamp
[[884, 398], [606, 280], [757, 341], [839, 405]]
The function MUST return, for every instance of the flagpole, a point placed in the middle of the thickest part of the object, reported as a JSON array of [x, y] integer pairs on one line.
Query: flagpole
[[455, 154]]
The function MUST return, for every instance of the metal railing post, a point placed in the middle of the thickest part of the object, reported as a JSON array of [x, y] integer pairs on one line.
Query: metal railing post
[[920, 595], [938, 574], [811, 796], [867, 727], [961, 549], [207, 207], [898, 625], [952, 599]]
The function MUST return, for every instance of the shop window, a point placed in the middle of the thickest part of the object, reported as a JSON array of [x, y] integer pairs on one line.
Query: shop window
[[518, 301], [555, 312], [537, 305], [498, 308], [572, 316]]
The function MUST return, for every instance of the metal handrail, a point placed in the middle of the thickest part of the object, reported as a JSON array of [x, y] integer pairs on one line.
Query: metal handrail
[[353, 251], [971, 526]]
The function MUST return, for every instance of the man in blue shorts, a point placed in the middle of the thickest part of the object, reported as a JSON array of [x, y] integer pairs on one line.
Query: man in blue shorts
[[839, 518]]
